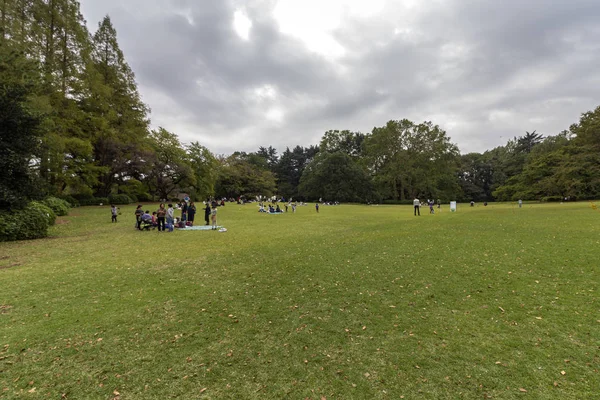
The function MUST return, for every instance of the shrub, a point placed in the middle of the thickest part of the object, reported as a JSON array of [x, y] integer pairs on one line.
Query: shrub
[[397, 202], [119, 199], [44, 209], [93, 201], [73, 202], [32, 222], [144, 197], [552, 198], [59, 206]]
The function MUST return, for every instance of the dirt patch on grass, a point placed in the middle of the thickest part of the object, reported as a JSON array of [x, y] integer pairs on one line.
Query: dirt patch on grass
[[62, 221], [9, 265], [5, 308]]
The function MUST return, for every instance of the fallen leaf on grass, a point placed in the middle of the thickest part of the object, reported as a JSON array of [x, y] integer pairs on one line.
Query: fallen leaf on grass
[[32, 390], [202, 390], [522, 390], [116, 393], [563, 373]]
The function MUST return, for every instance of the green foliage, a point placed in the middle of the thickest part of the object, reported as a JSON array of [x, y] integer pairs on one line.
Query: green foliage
[[60, 207], [119, 199], [73, 202], [238, 177], [43, 209], [408, 160], [31, 222], [19, 127], [335, 177], [93, 201]]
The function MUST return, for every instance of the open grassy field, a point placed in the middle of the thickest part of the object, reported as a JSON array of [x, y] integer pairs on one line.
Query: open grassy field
[[356, 302]]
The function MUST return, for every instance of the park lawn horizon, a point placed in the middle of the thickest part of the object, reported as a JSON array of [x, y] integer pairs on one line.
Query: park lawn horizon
[[364, 302]]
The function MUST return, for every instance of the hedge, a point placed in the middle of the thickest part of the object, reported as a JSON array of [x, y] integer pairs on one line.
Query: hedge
[[119, 199], [59, 206], [73, 202], [32, 222], [93, 201]]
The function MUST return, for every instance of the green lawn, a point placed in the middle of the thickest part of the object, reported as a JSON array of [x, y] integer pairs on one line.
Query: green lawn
[[356, 302]]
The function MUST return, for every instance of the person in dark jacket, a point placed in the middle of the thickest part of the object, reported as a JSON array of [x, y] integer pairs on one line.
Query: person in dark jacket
[[207, 213], [191, 213]]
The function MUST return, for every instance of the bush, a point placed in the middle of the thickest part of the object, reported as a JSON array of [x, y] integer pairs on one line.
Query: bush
[[119, 199], [144, 197], [32, 222], [396, 202], [552, 198], [44, 209], [93, 201], [59, 206], [73, 202]]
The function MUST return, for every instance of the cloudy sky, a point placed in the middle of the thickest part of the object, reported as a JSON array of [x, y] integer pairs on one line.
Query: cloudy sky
[[235, 75]]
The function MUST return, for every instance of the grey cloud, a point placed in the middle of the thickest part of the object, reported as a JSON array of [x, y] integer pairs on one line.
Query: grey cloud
[[459, 61]]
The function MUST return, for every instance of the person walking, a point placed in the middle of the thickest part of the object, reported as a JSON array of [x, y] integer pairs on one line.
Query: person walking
[[161, 214], [317, 207], [417, 205]]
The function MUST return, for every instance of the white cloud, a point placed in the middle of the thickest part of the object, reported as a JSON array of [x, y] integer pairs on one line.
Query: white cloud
[[242, 24]]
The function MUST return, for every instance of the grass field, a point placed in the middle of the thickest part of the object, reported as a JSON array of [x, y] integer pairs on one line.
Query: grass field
[[356, 302]]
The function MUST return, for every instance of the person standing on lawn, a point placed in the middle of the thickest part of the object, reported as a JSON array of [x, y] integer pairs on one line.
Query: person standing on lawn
[[184, 210], [417, 205], [138, 216], [114, 211], [207, 213], [214, 218], [170, 217], [317, 207], [191, 213], [161, 214]]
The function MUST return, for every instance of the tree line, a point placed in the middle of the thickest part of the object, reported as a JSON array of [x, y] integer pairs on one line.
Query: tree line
[[73, 126]]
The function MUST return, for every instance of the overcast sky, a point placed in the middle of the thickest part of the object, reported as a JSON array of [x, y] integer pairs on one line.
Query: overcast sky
[[236, 75]]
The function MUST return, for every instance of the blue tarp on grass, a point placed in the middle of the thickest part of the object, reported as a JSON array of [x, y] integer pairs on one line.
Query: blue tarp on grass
[[199, 228]]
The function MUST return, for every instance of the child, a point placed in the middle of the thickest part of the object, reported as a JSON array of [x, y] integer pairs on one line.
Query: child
[[214, 218], [114, 211]]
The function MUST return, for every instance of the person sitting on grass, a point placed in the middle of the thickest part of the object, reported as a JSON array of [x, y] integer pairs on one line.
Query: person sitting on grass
[[147, 217], [271, 209], [154, 220], [278, 209]]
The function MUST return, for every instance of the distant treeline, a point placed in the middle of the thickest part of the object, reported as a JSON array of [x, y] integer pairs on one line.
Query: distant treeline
[[73, 126]]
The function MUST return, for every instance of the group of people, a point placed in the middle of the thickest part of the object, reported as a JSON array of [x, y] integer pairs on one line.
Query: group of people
[[164, 218], [275, 209], [417, 205]]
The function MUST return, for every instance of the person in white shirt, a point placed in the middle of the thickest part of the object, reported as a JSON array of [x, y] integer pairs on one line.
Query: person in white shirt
[[417, 205]]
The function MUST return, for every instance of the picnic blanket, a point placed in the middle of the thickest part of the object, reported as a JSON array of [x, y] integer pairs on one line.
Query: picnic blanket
[[199, 228]]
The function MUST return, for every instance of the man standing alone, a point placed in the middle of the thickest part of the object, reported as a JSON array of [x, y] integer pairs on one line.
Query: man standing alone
[[417, 205]]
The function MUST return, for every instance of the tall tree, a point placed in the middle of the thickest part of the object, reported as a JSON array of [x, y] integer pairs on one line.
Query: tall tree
[[408, 159], [119, 117], [171, 168], [206, 170], [335, 177], [19, 126]]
